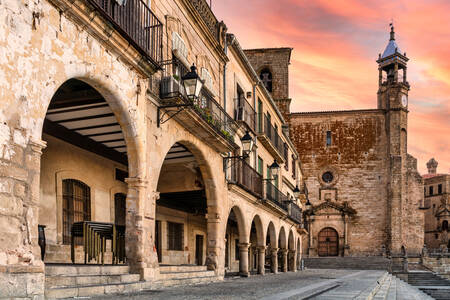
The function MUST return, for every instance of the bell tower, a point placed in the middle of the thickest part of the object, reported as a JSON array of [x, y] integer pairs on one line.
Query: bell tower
[[393, 90]]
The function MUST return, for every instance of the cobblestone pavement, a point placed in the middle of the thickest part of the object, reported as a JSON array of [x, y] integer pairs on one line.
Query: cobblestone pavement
[[314, 283]]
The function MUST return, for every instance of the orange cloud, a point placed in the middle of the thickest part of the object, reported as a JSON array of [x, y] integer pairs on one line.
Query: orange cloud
[[335, 46]]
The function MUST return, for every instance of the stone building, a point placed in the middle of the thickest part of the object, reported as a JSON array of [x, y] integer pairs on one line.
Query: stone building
[[102, 150], [363, 186], [437, 204]]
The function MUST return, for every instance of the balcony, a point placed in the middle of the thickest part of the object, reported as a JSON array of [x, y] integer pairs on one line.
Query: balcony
[[275, 197], [270, 138], [204, 118], [137, 24], [295, 213], [244, 112], [208, 17], [244, 176]]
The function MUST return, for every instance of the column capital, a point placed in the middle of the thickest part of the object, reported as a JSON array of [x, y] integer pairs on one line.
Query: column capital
[[292, 251], [284, 251], [261, 248], [274, 250], [136, 182], [244, 246], [37, 145]]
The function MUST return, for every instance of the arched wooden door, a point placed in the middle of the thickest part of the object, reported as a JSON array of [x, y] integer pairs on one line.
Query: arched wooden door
[[328, 242]]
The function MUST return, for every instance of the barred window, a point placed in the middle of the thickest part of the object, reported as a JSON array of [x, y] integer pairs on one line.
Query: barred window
[[76, 207], [176, 235], [431, 190]]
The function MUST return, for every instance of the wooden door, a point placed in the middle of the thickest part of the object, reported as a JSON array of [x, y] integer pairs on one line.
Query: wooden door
[[199, 250], [328, 242]]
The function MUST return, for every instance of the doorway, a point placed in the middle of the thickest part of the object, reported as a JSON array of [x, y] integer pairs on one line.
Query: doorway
[[199, 249], [328, 242]]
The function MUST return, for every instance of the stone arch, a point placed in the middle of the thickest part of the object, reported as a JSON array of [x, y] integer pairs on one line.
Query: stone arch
[[282, 238], [259, 230], [272, 235], [124, 113], [291, 243], [243, 232]]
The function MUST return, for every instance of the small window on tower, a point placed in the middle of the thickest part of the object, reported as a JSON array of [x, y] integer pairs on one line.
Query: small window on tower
[[431, 190], [266, 78], [328, 138], [440, 189]]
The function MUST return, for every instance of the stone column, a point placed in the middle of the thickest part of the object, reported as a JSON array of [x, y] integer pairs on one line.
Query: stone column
[[284, 252], [140, 226], [380, 76], [274, 260], [243, 259], [293, 260], [345, 252], [214, 243], [261, 259]]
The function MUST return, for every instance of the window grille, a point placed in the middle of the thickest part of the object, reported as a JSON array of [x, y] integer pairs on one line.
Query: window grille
[[176, 236], [76, 207]]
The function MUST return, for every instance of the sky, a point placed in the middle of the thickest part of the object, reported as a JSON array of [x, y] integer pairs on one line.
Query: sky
[[336, 44]]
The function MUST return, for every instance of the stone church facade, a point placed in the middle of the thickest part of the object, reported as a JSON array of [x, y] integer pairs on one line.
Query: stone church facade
[[364, 189]]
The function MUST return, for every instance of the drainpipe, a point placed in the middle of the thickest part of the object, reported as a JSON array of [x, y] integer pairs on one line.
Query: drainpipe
[[225, 75], [256, 129]]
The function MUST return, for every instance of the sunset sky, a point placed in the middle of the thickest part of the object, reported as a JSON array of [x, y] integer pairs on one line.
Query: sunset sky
[[335, 46]]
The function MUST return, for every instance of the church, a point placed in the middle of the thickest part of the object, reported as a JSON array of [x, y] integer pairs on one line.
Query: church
[[364, 191]]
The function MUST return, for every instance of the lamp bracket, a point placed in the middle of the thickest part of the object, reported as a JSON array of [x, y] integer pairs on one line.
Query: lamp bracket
[[160, 117]]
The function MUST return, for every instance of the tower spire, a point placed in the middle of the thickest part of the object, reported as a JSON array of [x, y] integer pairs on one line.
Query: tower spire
[[392, 31]]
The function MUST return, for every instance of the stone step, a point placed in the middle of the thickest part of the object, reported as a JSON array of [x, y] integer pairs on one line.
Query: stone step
[[383, 290], [183, 281], [180, 268], [357, 263], [181, 275], [93, 290], [55, 281], [69, 269], [405, 291], [438, 294]]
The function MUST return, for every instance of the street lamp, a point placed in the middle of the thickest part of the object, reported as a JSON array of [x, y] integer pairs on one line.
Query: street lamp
[[274, 168], [247, 144], [296, 192], [192, 83], [308, 205]]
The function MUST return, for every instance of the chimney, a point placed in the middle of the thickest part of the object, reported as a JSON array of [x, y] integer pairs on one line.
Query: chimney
[[432, 166]]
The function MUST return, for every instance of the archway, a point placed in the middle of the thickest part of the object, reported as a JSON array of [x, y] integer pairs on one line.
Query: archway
[[282, 253], [291, 253], [271, 259], [328, 242], [257, 246], [235, 242], [181, 231], [88, 154]]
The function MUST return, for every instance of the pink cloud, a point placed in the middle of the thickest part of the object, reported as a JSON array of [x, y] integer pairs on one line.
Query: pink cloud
[[335, 46]]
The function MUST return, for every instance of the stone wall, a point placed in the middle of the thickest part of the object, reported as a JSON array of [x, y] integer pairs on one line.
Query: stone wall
[[357, 160]]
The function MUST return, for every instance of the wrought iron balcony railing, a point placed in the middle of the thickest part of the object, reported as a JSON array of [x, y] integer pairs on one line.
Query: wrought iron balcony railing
[[137, 23], [243, 111], [274, 195], [243, 175], [273, 136], [295, 213]]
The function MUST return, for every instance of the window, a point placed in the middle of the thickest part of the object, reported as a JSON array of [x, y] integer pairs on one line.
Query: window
[[236, 250], [328, 138], [120, 209], [440, 189], [260, 166], [424, 191], [327, 177], [266, 78], [76, 206], [445, 225], [260, 115], [294, 162], [431, 190], [286, 157], [176, 235]]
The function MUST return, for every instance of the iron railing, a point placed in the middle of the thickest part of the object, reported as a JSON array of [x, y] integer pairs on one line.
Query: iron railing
[[274, 195], [295, 213], [273, 135], [243, 111], [211, 111], [137, 23], [243, 175]]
